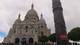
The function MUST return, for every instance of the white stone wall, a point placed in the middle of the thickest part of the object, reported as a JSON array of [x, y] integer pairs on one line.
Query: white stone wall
[[33, 29]]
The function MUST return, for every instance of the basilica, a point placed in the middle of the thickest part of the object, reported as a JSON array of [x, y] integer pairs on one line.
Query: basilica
[[29, 29]]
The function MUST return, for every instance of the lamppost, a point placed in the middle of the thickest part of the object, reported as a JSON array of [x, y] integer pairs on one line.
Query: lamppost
[[60, 28]]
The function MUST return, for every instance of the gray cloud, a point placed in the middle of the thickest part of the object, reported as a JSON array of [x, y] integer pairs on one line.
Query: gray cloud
[[71, 13]]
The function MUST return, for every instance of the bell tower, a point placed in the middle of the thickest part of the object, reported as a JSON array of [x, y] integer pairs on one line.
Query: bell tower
[[60, 28]]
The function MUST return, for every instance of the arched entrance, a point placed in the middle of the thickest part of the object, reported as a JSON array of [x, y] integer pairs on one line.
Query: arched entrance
[[31, 40], [17, 40], [23, 42]]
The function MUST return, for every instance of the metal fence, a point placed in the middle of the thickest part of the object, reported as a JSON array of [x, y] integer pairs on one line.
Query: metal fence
[[74, 43]]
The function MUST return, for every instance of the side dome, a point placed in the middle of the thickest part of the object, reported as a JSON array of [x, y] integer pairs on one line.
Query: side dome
[[18, 20], [42, 21], [32, 15]]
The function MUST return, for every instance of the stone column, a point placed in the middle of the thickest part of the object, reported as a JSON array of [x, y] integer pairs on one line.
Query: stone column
[[60, 28]]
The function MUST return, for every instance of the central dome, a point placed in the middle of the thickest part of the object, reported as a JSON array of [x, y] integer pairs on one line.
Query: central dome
[[32, 14], [32, 11]]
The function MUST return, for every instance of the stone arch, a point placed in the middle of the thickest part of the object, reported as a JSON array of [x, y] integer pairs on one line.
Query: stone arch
[[31, 40], [23, 41], [17, 41]]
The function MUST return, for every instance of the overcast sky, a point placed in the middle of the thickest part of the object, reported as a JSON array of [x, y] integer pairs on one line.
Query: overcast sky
[[9, 10]]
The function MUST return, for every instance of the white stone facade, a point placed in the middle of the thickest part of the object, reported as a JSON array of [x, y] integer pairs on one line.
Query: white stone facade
[[30, 27]]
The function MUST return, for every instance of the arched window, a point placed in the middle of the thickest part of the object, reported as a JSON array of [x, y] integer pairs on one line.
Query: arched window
[[23, 41], [17, 40], [26, 28], [31, 40]]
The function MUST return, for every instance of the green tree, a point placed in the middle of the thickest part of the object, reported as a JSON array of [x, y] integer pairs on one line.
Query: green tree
[[74, 34], [43, 38], [52, 37]]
